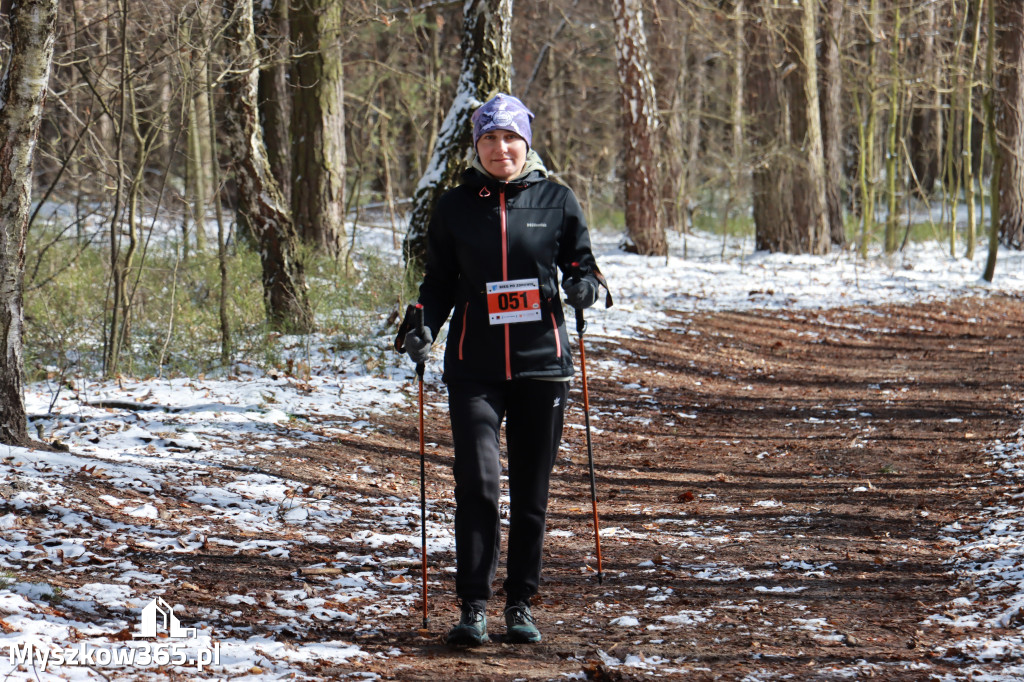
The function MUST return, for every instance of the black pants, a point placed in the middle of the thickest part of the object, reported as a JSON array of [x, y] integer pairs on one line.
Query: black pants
[[533, 411]]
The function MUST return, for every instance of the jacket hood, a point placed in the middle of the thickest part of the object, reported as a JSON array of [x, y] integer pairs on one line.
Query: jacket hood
[[534, 164]]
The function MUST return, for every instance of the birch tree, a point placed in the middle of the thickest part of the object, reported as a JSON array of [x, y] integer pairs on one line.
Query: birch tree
[[486, 70], [639, 117], [261, 207], [22, 92]]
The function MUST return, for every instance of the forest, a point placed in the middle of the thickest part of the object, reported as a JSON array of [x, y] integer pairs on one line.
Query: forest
[[793, 451], [189, 148]]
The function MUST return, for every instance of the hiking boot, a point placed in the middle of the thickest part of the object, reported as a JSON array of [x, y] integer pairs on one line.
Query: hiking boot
[[520, 625], [471, 630]]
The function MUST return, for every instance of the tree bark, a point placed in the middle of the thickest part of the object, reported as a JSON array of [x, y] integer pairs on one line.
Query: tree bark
[[275, 101], [968, 139], [813, 191], [119, 266], [737, 127], [867, 127], [1010, 122], [926, 136], [318, 119], [788, 175], [22, 92], [832, 119], [485, 71], [683, 132], [992, 140], [892, 153], [261, 207], [203, 96], [639, 115], [771, 177]]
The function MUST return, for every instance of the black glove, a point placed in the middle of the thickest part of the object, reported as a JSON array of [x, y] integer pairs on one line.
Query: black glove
[[418, 347], [580, 293]]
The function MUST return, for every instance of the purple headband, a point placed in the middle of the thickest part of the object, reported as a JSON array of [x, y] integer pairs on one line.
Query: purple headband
[[503, 112]]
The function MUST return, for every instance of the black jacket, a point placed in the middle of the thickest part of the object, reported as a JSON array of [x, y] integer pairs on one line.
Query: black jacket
[[486, 230]]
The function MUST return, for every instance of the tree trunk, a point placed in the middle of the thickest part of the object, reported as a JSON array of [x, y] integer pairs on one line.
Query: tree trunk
[[736, 96], [813, 190], [204, 119], [772, 175], [684, 110], [195, 174], [1010, 122], [953, 161], [119, 263], [968, 139], [867, 128], [102, 76], [639, 116], [195, 33], [261, 207], [892, 153], [22, 91], [992, 140], [926, 136], [486, 71], [788, 176], [318, 118], [832, 119], [275, 101]]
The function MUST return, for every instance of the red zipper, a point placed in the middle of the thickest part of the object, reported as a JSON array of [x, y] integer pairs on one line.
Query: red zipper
[[558, 341], [465, 323], [503, 211]]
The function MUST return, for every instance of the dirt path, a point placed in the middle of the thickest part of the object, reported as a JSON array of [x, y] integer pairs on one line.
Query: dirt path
[[774, 492], [777, 499]]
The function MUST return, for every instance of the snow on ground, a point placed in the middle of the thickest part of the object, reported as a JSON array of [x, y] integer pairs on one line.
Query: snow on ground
[[144, 437]]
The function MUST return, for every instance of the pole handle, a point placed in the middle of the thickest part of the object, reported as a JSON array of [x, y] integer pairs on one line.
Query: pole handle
[[581, 324], [417, 322]]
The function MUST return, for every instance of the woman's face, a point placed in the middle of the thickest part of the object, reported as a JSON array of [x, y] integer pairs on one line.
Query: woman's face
[[502, 153]]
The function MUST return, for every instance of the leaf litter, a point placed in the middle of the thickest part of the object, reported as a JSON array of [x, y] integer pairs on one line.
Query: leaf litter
[[280, 516]]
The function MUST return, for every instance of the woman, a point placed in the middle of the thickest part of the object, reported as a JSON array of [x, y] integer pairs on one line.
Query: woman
[[495, 244]]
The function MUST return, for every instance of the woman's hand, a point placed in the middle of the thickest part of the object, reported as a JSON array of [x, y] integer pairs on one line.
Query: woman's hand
[[417, 346], [580, 293]]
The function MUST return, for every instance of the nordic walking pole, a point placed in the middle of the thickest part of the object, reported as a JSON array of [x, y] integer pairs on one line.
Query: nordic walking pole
[[581, 326], [420, 368]]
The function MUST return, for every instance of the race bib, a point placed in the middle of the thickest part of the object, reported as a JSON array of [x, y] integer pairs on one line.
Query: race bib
[[516, 300]]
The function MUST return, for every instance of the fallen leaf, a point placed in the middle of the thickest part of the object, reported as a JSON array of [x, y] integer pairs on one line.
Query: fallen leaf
[[122, 636]]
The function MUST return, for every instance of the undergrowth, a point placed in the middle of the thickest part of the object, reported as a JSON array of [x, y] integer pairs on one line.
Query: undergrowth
[[175, 312]]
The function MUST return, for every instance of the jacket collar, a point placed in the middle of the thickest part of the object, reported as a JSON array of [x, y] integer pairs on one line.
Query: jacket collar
[[533, 171]]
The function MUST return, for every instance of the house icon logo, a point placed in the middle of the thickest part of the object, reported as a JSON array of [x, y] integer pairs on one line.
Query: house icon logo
[[158, 616]]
